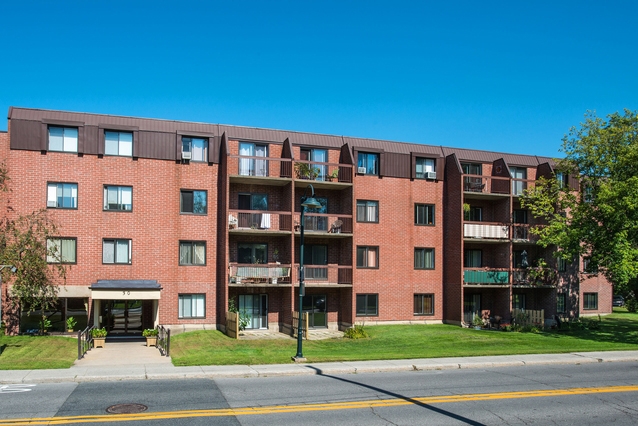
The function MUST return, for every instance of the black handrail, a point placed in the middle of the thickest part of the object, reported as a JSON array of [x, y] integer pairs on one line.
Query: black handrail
[[85, 341], [164, 340]]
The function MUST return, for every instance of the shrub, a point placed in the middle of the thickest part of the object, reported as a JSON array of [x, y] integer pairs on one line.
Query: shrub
[[98, 332], [356, 332], [631, 304], [150, 332]]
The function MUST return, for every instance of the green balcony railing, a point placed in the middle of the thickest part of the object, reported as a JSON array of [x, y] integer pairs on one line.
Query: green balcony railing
[[486, 277]]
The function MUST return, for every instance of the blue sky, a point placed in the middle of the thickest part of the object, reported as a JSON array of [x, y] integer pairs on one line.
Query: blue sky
[[502, 76]]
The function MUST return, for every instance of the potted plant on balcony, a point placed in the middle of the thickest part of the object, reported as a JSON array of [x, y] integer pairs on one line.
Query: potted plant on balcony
[[334, 175], [477, 322], [99, 337], [306, 171], [151, 336], [70, 323]]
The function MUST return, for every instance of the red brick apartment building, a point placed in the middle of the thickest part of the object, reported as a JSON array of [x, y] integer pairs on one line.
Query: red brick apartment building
[[162, 222]]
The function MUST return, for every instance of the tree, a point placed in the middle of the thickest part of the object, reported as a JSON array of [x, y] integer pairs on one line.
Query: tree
[[600, 221], [23, 244]]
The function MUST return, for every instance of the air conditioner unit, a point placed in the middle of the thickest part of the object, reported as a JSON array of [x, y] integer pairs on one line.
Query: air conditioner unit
[[430, 175], [361, 170], [186, 155]]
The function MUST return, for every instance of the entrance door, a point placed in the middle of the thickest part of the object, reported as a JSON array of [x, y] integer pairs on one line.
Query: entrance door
[[122, 316], [472, 306], [315, 305], [255, 306]]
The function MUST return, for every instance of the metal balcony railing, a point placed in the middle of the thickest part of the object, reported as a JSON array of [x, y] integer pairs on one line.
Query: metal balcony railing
[[486, 276]]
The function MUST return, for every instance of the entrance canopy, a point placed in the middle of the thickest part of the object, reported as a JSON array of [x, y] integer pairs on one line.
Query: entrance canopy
[[125, 290]]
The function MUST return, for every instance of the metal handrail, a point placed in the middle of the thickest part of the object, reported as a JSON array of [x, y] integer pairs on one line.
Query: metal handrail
[[85, 341], [164, 340]]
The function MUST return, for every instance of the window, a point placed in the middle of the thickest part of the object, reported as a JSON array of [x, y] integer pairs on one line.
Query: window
[[588, 267], [369, 161], [319, 156], [193, 202], [563, 179], [312, 222], [472, 168], [424, 214], [519, 174], [560, 303], [118, 143], [588, 194], [367, 305], [198, 147], [62, 195], [590, 301], [61, 250], [192, 253], [472, 184], [118, 198], [367, 257], [253, 166], [367, 211], [315, 254], [423, 166], [472, 259], [191, 306], [423, 258], [252, 253], [474, 214], [116, 251], [561, 264], [518, 301], [63, 139], [519, 216], [423, 304], [518, 257]]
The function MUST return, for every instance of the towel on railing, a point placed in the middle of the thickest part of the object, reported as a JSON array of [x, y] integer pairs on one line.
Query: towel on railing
[[265, 221]]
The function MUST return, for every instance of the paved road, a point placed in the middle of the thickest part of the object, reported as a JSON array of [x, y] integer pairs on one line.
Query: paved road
[[587, 394]]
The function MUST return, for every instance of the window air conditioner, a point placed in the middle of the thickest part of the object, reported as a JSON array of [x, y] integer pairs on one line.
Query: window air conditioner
[[186, 155], [430, 175], [361, 170]]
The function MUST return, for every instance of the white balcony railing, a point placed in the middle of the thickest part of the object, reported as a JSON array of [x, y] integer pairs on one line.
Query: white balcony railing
[[497, 232]]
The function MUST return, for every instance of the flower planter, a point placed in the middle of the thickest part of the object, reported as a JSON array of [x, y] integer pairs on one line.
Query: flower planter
[[99, 342], [151, 341]]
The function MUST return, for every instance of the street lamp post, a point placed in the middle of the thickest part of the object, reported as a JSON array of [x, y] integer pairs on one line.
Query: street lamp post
[[306, 202], [13, 269]]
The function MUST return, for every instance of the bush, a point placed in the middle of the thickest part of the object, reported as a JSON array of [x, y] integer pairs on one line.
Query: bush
[[98, 332], [356, 332], [631, 305], [150, 332]]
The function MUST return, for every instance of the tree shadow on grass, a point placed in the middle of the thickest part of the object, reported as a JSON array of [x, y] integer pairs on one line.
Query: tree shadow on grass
[[610, 330], [399, 396]]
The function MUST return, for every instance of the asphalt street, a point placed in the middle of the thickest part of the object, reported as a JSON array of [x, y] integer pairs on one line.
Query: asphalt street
[[585, 394]]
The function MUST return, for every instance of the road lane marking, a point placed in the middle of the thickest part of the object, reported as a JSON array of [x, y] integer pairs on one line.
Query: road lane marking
[[15, 388], [346, 405]]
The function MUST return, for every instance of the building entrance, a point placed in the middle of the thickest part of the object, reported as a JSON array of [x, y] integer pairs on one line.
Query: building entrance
[[121, 317]]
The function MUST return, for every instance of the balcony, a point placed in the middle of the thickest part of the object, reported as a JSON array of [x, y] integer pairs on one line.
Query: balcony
[[328, 276], [323, 175], [535, 277], [259, 170], [251, 221], [247, 275], [325, 225], [486, 231], [492, 187], [486, 277]]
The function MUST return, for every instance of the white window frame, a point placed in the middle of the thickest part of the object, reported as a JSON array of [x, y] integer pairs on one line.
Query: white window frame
[[55, 192], [67, 141], [123, 197], [117, 143]]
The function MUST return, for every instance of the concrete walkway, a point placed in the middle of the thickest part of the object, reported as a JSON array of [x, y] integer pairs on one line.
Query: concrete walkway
[[134, 361]]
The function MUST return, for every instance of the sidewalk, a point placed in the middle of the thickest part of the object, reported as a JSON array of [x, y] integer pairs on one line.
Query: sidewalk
[[137, 362]]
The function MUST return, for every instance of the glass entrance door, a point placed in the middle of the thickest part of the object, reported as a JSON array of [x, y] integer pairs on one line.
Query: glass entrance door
[[122, 316], [315, 305], [255, 306]]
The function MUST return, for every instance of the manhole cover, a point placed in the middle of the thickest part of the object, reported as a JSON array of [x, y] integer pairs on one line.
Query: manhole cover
[[126, 408]]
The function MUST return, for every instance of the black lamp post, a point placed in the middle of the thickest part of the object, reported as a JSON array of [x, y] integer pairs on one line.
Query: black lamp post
[[306, 202]]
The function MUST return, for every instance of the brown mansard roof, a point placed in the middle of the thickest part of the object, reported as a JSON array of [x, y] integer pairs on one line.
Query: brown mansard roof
[[270, 135]]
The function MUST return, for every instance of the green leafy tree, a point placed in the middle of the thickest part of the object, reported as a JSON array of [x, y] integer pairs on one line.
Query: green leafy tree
[[600, 221], [23, 244]]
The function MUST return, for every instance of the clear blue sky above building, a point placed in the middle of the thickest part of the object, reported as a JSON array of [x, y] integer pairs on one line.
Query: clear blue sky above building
[[501, 76]]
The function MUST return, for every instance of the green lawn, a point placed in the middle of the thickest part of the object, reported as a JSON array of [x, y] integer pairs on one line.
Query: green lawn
[[617, 332], [37, 352]]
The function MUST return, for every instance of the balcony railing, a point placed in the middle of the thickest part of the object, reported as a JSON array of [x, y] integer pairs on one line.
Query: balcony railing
[[535, 276], [260, 220], [259, 274], [323, 172], [260, 166], [328, 274], [489, 231], [486, 276], [321, 222], [495, 185]]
